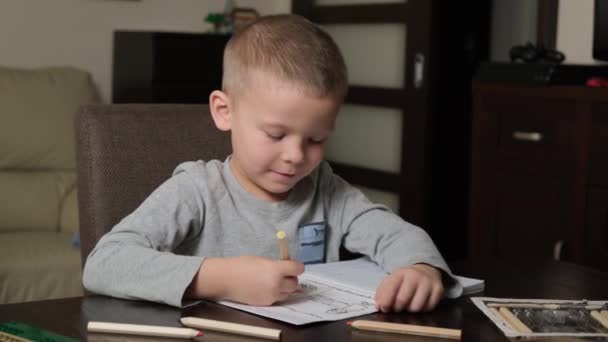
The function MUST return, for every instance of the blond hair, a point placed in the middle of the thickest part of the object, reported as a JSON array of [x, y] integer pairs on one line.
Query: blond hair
[[289, 48]]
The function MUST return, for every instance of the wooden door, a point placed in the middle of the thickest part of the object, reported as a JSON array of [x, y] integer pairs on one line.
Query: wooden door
[[383, 132]]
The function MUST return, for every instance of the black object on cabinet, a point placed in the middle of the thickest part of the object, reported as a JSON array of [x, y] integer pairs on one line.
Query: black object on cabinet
[[165, 67]]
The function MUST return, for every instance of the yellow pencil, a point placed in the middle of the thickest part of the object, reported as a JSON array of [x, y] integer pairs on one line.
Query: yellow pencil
[[408, 329], [282, 237]]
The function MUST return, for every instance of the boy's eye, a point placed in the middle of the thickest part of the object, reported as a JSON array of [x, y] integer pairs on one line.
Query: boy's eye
[[275, 136], [317, 141]]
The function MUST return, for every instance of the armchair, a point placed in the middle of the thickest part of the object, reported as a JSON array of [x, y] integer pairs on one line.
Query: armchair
[[38, 207]]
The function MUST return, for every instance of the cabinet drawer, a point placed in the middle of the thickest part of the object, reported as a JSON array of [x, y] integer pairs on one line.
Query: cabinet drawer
[[538, 130], [537, 134], [598, 156]]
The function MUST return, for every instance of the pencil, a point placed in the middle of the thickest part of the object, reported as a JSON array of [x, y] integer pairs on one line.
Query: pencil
[[502, 318], [4, 336], [282, 237], [600, 318], [517, 324], [233, 328], [546, 306], [524, 306], [144, 330], [507, 319], [408, 329]]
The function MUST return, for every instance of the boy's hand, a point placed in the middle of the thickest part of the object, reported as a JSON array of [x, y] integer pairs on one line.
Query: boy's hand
[[248, 279], [414, 288]]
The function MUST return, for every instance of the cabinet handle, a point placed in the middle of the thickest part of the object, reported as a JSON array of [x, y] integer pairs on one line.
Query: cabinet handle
[[527, 136], [557, 250]]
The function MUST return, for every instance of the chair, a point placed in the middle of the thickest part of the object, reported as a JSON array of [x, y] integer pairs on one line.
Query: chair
[[125, 151], [38, 207]]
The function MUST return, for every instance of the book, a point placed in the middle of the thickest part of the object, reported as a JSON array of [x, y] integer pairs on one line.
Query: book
[[19, 331], [335, 291], [470, 285]]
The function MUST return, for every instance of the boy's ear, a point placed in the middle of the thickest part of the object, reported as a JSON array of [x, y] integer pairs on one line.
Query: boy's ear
[[221, 110]]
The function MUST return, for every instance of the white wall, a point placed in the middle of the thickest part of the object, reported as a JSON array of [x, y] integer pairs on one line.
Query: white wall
[[79, 33], [575, 31], [513, 23]]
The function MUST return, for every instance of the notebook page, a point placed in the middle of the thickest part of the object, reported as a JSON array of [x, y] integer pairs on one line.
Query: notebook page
[[361, 273], [366, 275]]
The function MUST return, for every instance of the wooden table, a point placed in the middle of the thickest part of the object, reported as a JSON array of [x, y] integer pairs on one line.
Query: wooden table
[[514, 278]]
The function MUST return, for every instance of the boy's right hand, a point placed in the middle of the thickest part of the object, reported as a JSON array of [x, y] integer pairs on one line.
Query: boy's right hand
[[247, 279]]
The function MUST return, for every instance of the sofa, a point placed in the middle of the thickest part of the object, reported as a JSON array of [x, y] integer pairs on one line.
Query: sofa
[[39, 253]]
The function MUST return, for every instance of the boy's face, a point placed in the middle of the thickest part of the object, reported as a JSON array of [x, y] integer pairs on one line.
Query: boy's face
[[278, 135]]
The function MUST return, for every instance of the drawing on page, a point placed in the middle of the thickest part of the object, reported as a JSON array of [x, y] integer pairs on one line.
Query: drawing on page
[[333, 305], [308, 288], [349, 308]]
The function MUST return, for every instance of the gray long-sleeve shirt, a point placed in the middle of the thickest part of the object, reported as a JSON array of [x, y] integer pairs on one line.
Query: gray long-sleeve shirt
[[202, 211]]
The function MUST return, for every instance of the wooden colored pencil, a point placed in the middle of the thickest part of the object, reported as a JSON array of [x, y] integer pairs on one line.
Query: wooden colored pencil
[[506, 319], [604, 313], [283, 244], [144, 330], [6, 337], [547, 306], [523, 306], [502, 317], [407, 329], [232, 328], [518, 325], [600, 318]]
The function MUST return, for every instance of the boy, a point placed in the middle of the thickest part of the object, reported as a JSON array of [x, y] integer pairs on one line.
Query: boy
[[209, 231]]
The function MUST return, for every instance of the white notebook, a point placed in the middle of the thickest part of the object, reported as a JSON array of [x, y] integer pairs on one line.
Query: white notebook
[[336, 291], [470, 285]]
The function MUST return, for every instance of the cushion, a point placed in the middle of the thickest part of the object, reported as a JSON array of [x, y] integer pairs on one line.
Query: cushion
[[37, 110], [43, 265], [33, 201], [68, 217]]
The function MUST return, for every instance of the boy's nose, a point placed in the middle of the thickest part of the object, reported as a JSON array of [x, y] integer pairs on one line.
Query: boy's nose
[[294, 153]]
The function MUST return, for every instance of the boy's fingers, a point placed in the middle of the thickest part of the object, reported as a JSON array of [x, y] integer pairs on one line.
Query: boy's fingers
[[436, 296], [404, 296], [281, 297], [386, 293], [292, 292], [420, 298], [290, 268], [289, 285]]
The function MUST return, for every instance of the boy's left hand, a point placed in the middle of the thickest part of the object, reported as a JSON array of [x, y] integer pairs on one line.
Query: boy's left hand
[[414, 288]]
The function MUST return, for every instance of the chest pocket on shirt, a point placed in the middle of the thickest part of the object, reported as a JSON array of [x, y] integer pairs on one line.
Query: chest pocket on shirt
[[312, 243]]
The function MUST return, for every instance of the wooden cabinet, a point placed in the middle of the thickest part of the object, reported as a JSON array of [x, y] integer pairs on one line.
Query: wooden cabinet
[[539, 172], [596, 233], [596, 210]]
